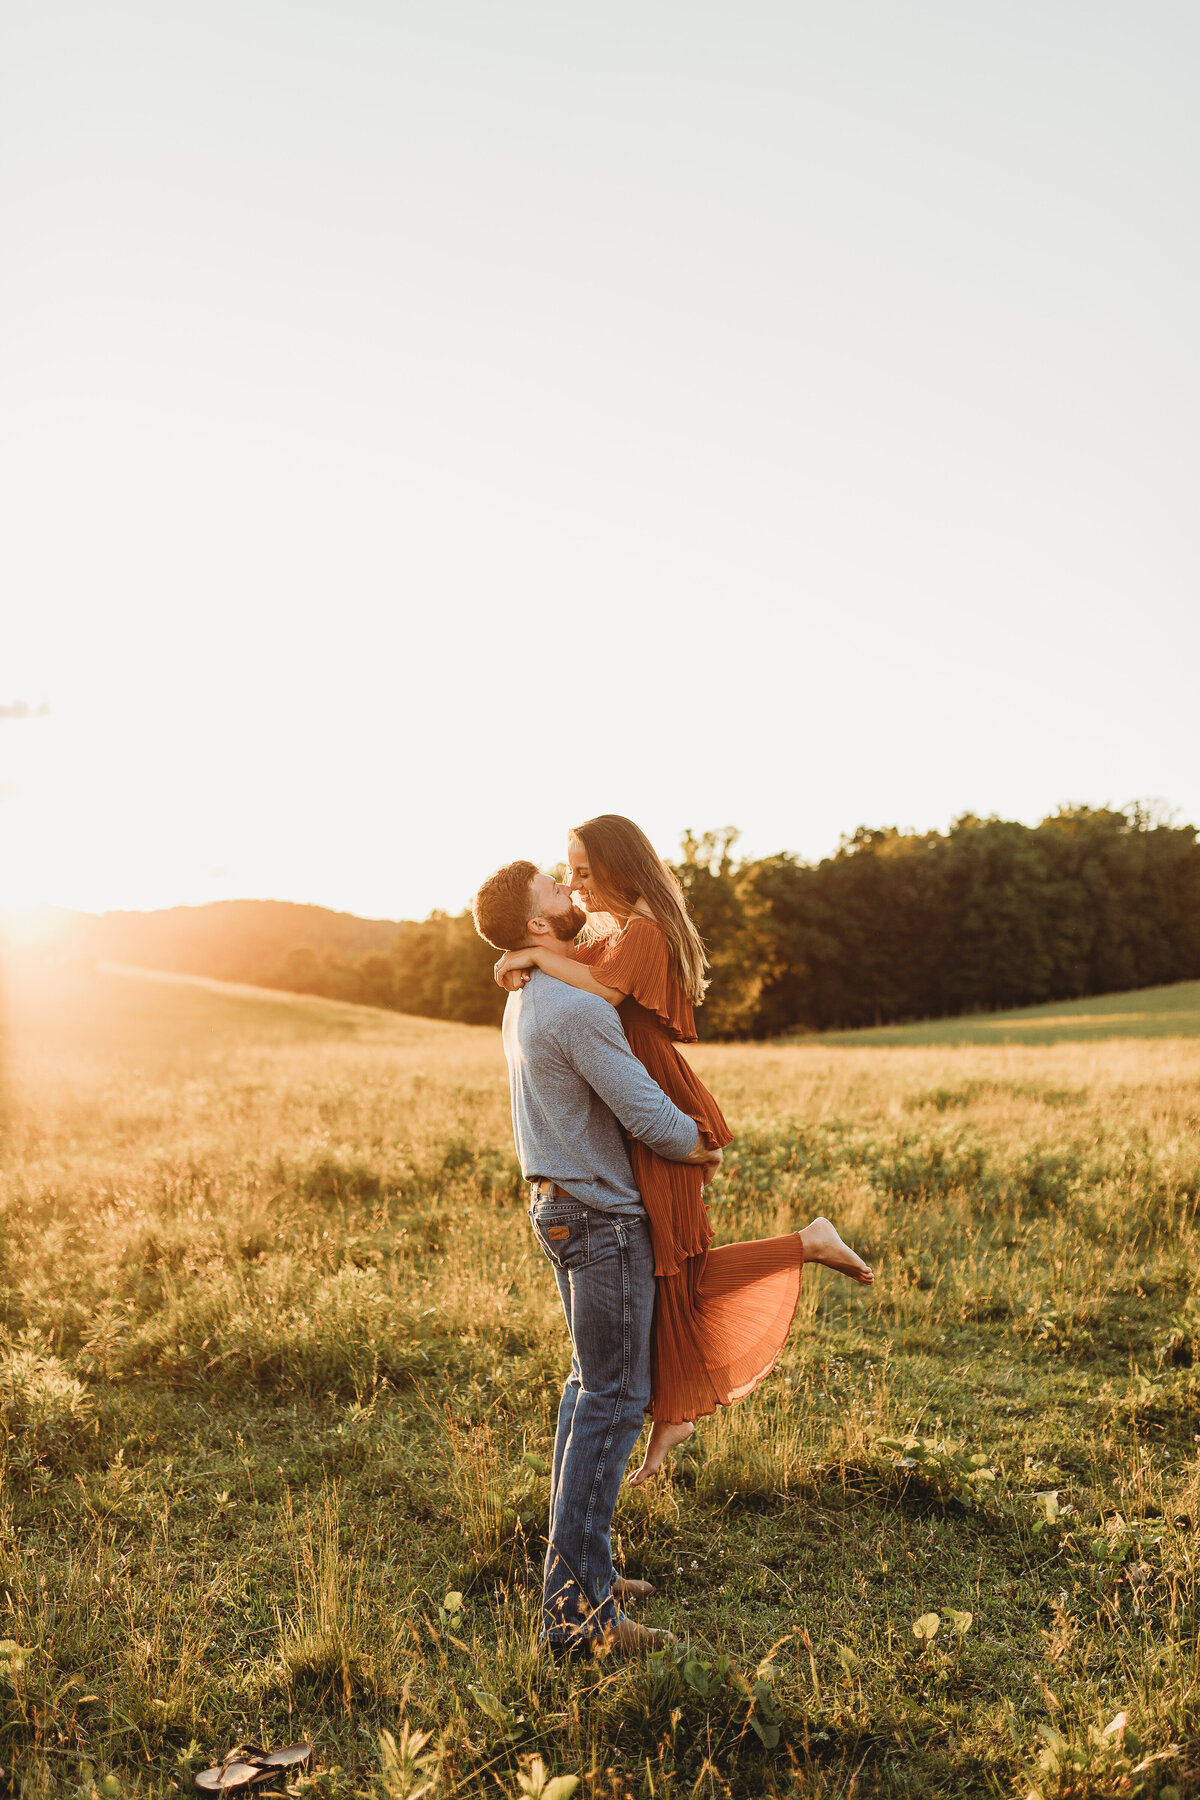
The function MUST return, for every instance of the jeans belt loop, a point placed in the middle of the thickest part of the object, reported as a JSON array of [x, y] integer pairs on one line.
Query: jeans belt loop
[[550, 1190]]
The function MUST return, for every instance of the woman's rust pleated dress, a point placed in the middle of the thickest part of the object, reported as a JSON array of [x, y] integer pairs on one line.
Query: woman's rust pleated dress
[[721, 1317]]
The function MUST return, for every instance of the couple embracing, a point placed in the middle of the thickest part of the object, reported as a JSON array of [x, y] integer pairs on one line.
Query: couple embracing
[[617, 1137]]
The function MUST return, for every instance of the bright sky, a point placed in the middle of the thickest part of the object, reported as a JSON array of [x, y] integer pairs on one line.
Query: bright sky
[[430, 422]]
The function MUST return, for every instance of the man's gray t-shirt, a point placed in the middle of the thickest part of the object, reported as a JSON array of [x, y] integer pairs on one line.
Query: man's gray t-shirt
[[570, 1070]]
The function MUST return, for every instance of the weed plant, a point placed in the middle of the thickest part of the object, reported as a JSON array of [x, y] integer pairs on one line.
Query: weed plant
[[279, 1363]]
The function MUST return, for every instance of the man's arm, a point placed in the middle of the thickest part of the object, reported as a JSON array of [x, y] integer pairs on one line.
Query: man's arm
[[596, 1046]]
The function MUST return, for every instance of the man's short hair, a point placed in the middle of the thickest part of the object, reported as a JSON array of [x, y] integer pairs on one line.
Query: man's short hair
[[503, 906]]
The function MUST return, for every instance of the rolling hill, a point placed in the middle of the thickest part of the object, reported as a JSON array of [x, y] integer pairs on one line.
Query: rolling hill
[[1172, 1011], [229, 940]]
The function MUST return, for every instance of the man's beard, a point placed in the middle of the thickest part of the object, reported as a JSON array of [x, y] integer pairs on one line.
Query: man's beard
[[568, 925]]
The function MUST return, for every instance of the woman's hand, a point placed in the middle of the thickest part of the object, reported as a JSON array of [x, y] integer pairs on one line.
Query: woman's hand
[[512, 970]]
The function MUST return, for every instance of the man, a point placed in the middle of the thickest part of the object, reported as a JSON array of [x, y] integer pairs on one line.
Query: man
[[574, 1084]]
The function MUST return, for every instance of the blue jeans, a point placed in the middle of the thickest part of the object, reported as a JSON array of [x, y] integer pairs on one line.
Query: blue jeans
[[604, 1266]]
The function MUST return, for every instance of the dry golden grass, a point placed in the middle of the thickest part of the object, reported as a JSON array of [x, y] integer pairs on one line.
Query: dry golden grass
[[278, 1365]]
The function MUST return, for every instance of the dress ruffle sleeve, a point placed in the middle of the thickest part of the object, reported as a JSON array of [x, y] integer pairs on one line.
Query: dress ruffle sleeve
[[591, 953], [638, 962]]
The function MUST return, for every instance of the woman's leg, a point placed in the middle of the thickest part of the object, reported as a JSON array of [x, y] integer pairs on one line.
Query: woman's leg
[[663, 1439], [666, 1354], [721, 1323]]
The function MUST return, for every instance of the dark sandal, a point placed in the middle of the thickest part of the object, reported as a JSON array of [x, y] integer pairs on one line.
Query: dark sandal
[[246, 1765]]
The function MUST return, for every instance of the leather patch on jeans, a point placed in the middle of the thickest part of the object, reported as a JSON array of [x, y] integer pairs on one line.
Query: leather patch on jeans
[[558, 1231]]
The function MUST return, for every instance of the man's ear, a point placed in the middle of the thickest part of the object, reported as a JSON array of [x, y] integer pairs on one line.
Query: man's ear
[[538, 928]]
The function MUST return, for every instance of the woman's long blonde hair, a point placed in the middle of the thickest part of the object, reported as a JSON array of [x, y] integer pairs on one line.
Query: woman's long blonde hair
[[624, 868]]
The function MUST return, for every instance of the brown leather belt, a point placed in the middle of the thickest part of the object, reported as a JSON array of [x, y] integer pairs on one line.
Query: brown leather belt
[[549, 1190]]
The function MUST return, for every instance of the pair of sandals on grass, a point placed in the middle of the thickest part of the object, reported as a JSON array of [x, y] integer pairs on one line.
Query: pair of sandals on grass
[[246, 1765]]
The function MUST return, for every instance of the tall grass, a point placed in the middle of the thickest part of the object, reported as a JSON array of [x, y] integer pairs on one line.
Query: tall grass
[[279, 1364]]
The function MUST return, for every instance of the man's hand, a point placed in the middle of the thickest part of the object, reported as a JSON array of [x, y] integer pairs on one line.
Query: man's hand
[[709, 1160]]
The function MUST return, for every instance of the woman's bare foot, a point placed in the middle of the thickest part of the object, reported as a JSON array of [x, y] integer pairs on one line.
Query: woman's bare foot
[[823, 1245], [663, 1439], [631, 1590]]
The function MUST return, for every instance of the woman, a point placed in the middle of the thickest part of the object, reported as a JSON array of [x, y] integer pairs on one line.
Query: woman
[[721, 1316]]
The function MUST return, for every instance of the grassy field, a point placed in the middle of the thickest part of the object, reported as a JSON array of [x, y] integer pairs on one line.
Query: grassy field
[[279, 1361], [1172, 1011]]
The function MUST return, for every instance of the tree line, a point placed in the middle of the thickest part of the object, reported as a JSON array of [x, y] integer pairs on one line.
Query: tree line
[[894, 926]]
